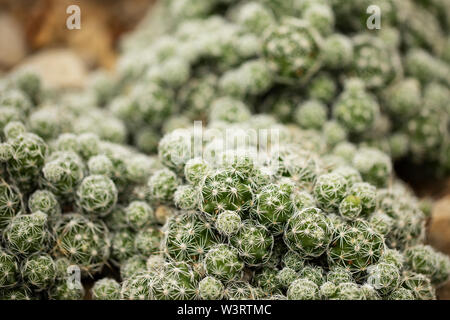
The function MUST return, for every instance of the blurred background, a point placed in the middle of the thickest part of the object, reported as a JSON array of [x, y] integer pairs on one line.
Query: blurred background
[[33, 32]]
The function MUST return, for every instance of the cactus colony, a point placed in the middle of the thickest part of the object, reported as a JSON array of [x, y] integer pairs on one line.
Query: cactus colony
[[116, 177]]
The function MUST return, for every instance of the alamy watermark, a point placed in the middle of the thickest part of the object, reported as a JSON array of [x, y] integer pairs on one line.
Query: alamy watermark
[[373, 22], [73, 21], [74, 277], [218, 146]]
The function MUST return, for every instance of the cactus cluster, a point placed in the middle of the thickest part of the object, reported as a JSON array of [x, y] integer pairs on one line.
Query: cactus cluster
[[285, 187]]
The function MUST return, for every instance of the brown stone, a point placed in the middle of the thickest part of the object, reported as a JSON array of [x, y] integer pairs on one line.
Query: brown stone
[[439, 230], [58, 68]]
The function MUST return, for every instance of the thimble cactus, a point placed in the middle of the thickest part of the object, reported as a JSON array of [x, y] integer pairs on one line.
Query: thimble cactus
[[46, 202], [308, 232], [139, 214], [303, 289], [285, 191], [162, 185], [39, 271], [292, 48], [10, 202], [63, 172], [210, 288], [83, 241], [228, 223], [329, 190], [9, 269], [106, 289], [27, 234], [97, 195], [254, 243], [223, 263]]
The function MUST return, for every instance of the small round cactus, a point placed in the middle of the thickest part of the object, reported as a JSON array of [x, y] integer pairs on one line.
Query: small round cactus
[[176, 148], [266, 280], [254, 243], [28, 157], [225, 190], [122, 245], [13, 129], [195, 169], [350, 207], [10, 203], [83, 241], [286, 276], [375, 166], [337, 275], [39, 271], [384, 277], [147, 241], [132, 266], [9, 269], [223, 262], [97, 194], [303, 289], [106, 289], [420, 285], [337, 51], [425, 260], [229, 110], [292, 48], [89, 144], [46, 202], [188, 237], [18, 293], [251, 78], [27, 234], [364, 195], [311, 114], [239, 290], [355, 109], [163, 184], [228, 223], [308, 232], [369, 246], [186, 197], [313, 273], [100, 165], [293, 260], [274, 206], [403, 98], [255, 17], [139, 214], [322, 88], [329, 190], [63, 172], [211, 289]]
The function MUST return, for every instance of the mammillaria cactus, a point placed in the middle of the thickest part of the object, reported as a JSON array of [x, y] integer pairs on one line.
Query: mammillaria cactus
[[246, 152], [82, 241], [11, 203], [303, 289], [27, 234], [9, 269], [97, 194], [39, 271], [211, 289], [106, 289]]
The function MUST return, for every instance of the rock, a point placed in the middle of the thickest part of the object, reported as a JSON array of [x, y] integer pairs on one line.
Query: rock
[[12, 42], [443, 293], [58, 68], [439, 230]]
